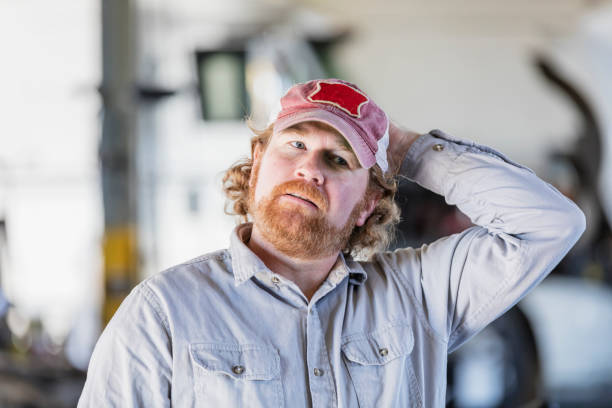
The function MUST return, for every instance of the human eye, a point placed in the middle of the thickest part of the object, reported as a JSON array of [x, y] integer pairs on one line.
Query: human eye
[[297, 144], [339, 161]]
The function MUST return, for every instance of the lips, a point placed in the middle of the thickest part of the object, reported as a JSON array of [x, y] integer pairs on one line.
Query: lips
[[302, 192], [301, 197]]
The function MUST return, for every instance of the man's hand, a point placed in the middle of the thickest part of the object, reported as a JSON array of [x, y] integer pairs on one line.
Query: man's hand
[[400, 141]]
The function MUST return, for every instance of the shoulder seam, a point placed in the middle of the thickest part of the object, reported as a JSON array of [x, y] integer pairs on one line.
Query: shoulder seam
[[151, 299], [220, 255]]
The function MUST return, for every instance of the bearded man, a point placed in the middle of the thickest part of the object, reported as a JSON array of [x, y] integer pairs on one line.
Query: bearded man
[[306, 308]]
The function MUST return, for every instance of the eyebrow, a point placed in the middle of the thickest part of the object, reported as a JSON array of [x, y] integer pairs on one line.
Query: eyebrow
[[344, 144]]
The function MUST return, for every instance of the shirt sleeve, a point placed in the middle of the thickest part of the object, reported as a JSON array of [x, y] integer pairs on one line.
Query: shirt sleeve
[[524, 227], [131, 365]]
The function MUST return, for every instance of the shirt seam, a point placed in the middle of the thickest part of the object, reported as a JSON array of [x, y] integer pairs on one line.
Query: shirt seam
[[150, 298], [473, 147], [220, 255], [475, 318], [418, 308], [400, 322]]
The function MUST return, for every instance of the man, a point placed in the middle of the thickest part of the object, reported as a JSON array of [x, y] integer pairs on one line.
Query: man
[[288, 317]]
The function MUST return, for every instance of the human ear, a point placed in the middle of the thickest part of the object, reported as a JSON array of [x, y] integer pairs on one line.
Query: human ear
[[371, 204], [256, 152]]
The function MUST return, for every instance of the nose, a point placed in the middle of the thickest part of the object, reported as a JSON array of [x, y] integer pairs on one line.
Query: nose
[[309, 169]]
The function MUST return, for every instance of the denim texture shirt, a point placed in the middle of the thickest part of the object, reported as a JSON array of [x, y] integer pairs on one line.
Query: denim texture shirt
[[223, 330]]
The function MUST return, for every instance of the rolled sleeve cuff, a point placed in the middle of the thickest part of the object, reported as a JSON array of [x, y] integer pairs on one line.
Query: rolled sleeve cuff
[[428, 160]]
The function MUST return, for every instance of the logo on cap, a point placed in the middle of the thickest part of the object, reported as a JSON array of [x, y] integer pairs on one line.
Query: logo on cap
[[342, 96]]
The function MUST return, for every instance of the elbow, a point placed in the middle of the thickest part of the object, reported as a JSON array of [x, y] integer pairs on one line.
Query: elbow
[[574, 223]]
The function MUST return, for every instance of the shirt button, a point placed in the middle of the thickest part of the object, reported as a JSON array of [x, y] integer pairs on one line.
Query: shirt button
[[275, 280], [238, 369], [438, 147], [383, 352], [318, 372]]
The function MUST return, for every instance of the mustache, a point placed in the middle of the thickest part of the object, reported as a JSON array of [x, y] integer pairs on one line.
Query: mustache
[[303, 189]]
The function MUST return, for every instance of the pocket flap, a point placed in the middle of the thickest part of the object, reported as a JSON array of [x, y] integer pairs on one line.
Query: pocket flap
[[380, 346], [239, 361]]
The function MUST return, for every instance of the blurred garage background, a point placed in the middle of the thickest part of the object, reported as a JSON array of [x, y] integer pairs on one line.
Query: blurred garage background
[[118, 118]]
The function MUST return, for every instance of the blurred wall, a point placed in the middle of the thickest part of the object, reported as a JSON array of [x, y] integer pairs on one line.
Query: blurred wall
[[49, 192]]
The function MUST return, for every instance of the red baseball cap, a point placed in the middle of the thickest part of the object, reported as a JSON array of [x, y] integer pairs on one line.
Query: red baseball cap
[[347, 109]]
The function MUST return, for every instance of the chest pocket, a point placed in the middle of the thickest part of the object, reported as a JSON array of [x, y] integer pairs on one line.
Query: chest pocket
[[233, 375], [380, 368]]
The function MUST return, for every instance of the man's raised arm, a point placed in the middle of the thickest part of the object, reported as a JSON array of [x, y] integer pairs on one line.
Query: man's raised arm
[[524, 228]]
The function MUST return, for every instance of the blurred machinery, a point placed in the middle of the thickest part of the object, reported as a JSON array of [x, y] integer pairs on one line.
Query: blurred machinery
[[579, 174]]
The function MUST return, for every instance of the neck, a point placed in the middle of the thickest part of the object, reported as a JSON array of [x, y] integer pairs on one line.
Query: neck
[[307, 274]]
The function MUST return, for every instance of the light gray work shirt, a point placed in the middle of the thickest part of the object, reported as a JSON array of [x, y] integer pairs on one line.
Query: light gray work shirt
[[223, 330]]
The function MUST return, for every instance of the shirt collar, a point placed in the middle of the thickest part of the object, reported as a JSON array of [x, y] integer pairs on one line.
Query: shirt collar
[[357, 275], [245, 263]]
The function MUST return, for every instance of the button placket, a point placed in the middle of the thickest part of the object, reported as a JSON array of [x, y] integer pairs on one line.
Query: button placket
[[320, 370]]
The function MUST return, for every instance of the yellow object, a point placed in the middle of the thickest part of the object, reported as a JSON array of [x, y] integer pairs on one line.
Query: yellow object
[[120, 267]]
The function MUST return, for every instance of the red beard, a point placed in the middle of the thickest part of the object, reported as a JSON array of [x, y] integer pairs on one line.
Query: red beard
[[296, 230]]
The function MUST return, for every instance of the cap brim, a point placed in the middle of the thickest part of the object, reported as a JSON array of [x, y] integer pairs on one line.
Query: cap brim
[[363, 152]]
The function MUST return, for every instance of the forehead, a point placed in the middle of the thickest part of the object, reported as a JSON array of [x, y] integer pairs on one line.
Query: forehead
[[307, 128]]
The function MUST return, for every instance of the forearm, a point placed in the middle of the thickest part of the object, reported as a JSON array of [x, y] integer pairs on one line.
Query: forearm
[[491, 190], [400, 141]]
